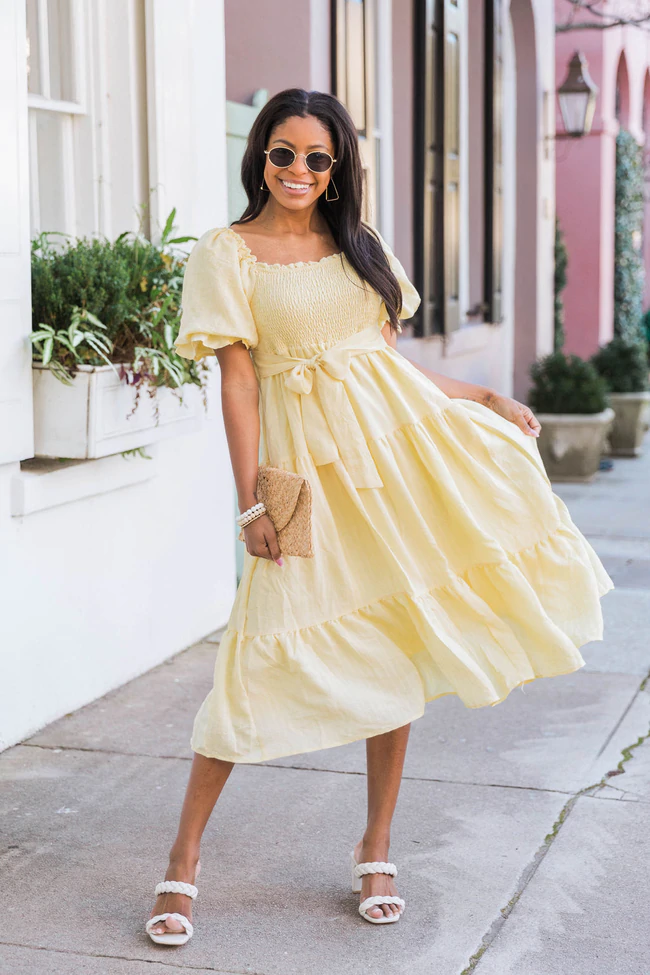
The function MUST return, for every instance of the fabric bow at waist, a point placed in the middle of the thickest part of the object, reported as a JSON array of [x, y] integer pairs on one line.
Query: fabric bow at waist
[[328, 422]]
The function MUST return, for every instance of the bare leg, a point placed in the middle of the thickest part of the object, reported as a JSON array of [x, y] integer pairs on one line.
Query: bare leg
[[385, 761], [207, 779]]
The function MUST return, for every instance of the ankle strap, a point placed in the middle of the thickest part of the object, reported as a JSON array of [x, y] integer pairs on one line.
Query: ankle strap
[[176, 887], [376, 866]]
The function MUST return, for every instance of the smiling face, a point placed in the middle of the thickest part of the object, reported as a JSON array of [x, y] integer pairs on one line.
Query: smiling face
[[296, 187]]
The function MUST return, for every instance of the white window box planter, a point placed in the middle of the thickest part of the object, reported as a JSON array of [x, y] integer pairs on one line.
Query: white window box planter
[[93, 417]]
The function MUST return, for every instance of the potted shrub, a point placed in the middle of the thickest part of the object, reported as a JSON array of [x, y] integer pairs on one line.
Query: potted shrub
[[105, 315], [570, 401], [624, 367]]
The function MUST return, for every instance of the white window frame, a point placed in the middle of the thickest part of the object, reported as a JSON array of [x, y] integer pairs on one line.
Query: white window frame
[[384, 120], [68, 112]]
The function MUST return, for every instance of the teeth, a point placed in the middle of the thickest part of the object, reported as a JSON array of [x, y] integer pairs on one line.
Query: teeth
[[295, 186]]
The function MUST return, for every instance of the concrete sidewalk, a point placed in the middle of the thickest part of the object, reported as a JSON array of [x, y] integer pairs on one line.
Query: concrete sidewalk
[[521, 834]]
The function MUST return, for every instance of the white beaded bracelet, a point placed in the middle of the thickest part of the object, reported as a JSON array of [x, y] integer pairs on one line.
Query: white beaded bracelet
[[251, 514]]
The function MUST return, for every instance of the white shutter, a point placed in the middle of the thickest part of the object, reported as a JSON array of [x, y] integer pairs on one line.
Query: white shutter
[[16, 436]]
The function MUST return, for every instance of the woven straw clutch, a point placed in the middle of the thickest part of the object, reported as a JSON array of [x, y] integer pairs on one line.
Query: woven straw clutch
[[287, 497]]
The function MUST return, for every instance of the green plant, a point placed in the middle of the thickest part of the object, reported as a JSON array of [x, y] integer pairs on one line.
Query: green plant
[[566, 384], [98, 301], [623, 365], [645, 329], [629, 272], [73, 345], [561, 261]]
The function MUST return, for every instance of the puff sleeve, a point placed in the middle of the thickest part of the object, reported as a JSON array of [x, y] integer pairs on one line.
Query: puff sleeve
[[215, 307], [410, 297]]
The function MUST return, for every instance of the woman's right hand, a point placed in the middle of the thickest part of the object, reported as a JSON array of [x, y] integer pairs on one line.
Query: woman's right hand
[[262, 541]]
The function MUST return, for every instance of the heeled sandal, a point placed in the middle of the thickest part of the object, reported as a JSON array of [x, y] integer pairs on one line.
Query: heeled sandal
[[359, 870], [172, 937]]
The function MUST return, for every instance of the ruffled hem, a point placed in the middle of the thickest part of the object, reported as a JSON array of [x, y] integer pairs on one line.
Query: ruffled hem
[[197, 345], [337, 742], [372, 670]]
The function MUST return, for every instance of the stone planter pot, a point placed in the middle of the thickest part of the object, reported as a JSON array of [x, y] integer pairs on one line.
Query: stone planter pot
[[630, 423], [571, 444], [93, 417]]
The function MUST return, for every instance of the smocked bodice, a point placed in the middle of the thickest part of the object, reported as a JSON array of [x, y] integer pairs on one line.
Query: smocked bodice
[[290, 309], [305, 307]]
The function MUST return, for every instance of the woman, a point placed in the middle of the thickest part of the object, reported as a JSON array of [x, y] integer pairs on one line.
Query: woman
[[443, 563]]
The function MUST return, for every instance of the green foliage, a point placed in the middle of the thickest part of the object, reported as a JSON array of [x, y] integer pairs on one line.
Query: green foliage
[[561, 261], [645, 328], [629, 272], [96, 302], [623, 365], [566, 384], [73, 345]]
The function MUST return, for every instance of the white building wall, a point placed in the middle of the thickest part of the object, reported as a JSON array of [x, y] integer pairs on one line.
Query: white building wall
[[16, 428], [124, 569]]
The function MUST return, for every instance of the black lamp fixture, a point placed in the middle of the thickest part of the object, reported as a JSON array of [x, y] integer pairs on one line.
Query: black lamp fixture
[[577, 98]]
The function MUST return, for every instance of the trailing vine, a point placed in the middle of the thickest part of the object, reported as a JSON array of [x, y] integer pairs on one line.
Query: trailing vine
[[629, 271]]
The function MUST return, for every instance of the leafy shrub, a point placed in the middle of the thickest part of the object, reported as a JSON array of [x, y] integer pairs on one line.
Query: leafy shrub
[[623, 365], [566, 384], [96, 302], [629, 272], [88, 274]]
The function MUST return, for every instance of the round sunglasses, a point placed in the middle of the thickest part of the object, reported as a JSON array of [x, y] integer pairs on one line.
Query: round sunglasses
[[317, 162]]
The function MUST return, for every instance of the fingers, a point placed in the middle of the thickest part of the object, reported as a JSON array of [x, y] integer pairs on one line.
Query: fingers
[[534, 424], [261, 540], [522, 423], [272, 543], [531, 426]]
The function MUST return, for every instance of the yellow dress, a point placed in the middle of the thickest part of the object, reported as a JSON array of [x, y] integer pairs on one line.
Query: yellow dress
[[444, 563]]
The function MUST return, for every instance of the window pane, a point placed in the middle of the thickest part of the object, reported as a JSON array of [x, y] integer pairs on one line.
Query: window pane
[[355, 51], [452, 93], [33, 66], [452, 240], [47, 158], [59, 23]]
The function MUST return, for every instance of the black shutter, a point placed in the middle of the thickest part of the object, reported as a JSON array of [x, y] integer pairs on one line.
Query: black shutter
[[493, 283], [437, 158]]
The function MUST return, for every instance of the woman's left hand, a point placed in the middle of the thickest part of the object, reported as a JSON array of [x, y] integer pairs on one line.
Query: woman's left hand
[[518, 413]]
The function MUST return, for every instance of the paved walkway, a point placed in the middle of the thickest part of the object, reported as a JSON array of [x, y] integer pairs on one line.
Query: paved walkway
[[521, 834]]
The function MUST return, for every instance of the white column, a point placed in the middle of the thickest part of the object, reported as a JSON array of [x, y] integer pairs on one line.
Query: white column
[[385, 119], [187, 113], [545, 31], [16, 439], [320, 68]]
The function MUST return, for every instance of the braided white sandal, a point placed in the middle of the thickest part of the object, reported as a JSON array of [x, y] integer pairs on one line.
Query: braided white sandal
[[359, 870], [172, 937]]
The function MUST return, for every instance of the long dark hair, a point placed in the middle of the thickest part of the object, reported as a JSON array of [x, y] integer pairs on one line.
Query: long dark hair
[[359, 244]]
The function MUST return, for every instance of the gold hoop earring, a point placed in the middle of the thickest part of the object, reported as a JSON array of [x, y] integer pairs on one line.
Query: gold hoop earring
[[263, 187], [331, 199]]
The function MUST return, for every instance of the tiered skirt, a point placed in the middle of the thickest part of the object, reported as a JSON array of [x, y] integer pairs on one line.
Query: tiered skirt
[[462, 573]]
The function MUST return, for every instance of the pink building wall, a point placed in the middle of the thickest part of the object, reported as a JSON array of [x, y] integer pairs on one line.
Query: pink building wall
[[585, 171], [275, 46]]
